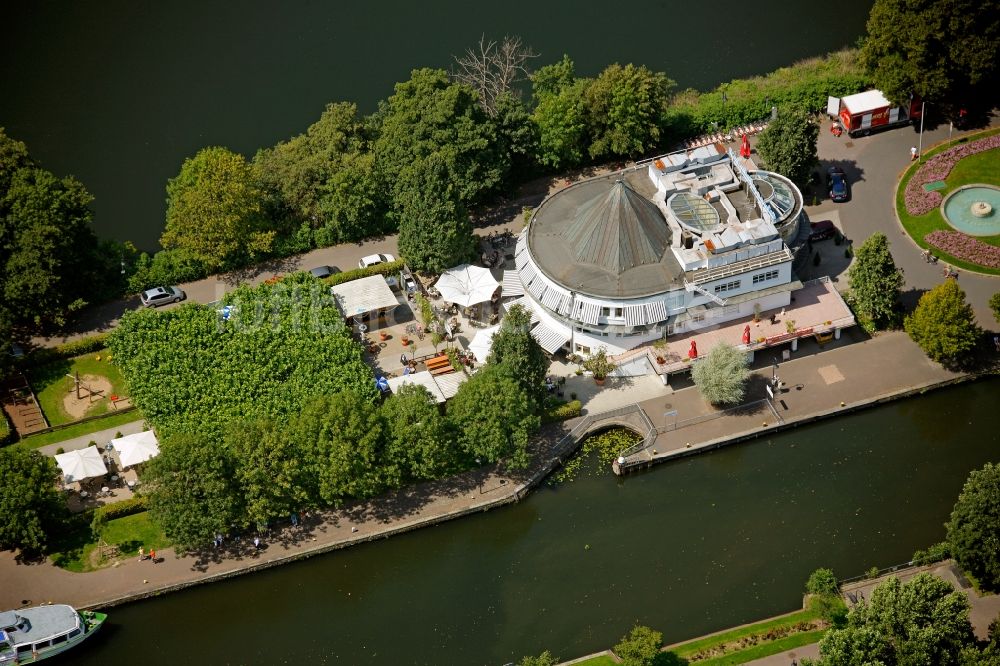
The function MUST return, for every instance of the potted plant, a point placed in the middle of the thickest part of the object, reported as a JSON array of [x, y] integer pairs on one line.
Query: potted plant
[[405, 339], [383, 336], [790, 325], [600, 365]]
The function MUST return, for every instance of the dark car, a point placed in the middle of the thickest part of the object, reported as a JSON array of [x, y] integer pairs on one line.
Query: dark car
[[836, 180], [822, 230], [324, 271], [161, 296]]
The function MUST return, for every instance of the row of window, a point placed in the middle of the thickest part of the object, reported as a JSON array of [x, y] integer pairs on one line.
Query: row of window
[[728, 286], [765, 277]]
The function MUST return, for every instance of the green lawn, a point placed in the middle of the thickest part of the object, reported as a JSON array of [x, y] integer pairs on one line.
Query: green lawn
[[979, 168], [74, 550], [61, 435], [603, 660], [765, 649], [687, 649], [52, 383]]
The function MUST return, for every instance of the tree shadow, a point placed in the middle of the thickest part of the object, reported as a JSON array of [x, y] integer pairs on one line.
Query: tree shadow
[[669, 659], [277, 266]]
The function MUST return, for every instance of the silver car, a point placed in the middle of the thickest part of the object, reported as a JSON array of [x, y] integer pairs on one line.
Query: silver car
[[161, 296]]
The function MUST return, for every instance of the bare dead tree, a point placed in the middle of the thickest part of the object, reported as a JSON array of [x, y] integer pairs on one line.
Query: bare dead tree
[[493, 68]]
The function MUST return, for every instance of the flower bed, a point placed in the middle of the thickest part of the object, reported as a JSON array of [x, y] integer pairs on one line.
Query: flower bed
[[919, 201], [965, 247]]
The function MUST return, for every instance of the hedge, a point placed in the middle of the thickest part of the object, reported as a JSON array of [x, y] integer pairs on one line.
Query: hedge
[[86, 345], [117, 510], [358, 273], [566, 410]]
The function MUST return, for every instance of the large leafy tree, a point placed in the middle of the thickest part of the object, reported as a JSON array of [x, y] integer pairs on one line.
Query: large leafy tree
[[343, 436], [561, 117], [624, 110], [788, 145], [49, 263], [435, 232], [922, 621], [875, 282], [974, 528], [943, 323], [270, 471], [428, 115], [352, 202], [193, 490], [639, 647], [518, 355], [722, 375], [544, 659], [30, 502], [418, 444], [938, 49], [517, 137], [493, 417], [215, 209]]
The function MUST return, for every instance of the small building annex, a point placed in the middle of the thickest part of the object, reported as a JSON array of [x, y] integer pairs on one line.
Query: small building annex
[[673, 244]]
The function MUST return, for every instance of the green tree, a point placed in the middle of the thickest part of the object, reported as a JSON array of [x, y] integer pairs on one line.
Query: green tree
[[518, 355], [943, 323], [435, 232], [215, 209], [995, 306], [492, 418], [352, 202], [517, 137], [428, 115], [269, 470], [922, 621], [552, 79], [49, 259], [30, 501], [562, 127], [544, 659], [822, 582], [344, 441], [875, 282], [639, 647], [625, 106], [788, 145], [940, 50], [417, 442], [974, 527], [193, 493], [722, 375]]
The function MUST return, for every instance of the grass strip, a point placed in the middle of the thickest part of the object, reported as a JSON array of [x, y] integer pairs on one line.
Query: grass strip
[[109, 421], [692, 647], [765, 649], [75, 548]]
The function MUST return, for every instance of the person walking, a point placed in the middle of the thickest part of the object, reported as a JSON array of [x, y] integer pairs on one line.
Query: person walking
[[913, 153], [152, 555], [141, 551]]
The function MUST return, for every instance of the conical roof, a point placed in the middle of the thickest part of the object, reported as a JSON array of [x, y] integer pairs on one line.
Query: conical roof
[[617, 230]]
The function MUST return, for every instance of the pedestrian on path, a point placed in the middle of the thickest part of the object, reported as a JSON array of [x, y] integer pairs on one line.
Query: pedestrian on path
[[913, 153], [141, 551], [256, 543], [152, 556]]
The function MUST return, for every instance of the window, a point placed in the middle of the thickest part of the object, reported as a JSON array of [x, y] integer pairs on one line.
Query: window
[[619, 312], [765, 277], [59, 639], [74, 633], [698, 317], [728, 286], [605, 312]]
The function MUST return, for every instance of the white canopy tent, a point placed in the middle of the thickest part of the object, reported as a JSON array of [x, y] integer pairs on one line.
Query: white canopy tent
[[483, 343], [136, 448], [467, 285], [81, 464], [423, 378], [359, 297]]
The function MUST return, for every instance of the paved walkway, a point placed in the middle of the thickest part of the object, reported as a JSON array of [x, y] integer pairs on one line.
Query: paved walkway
[[101, 437]]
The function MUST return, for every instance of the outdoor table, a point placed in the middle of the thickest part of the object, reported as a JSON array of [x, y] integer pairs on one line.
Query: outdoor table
[[84, 494], [131, 484], [105, 489]]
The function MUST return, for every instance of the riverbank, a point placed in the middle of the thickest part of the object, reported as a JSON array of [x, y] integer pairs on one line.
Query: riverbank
[[872, 372]]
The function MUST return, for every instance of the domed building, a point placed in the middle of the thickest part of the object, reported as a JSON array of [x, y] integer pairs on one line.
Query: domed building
[[678, 243]]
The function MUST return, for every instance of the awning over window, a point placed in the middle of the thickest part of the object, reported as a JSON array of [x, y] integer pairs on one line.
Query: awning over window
[[635, 315], [590, 312], [512, 284], [549, 339], [656, 312], [525, 303]]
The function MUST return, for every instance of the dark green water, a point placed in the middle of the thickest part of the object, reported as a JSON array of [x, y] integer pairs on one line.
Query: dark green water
[[119, 93], [690, 547]]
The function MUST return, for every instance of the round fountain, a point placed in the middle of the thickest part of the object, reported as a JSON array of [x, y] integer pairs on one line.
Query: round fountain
[[971, 209]]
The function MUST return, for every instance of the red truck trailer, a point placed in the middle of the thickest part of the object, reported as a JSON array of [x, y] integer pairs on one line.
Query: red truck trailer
[[862, 113]]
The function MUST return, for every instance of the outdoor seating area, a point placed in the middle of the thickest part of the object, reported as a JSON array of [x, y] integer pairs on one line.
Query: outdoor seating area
[[96, 475]]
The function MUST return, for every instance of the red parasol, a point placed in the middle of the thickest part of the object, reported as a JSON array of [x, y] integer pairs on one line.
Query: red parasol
[[745, 147], [693, 352], [746, 334]]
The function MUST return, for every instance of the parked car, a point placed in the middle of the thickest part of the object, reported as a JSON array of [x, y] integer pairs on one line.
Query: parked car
[[161, 296], [822, 230], [324, 271], [836, 180], [375, 260]]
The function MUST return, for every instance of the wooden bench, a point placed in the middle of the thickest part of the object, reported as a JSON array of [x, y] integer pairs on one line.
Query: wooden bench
[[437, 362], [443, 370]]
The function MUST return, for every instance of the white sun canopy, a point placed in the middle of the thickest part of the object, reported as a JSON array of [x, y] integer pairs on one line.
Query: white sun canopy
[[483, 343], [423, 378], [137, 448], [467, 285], [81, 464], [364, 295]]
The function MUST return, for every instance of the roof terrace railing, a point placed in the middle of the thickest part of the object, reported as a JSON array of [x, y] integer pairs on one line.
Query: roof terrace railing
[[745, 177]]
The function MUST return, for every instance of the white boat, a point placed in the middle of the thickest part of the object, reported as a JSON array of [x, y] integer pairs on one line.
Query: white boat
[[28, 635]]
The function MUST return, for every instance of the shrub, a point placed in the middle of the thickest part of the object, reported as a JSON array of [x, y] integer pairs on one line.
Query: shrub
[[822, 582], [936, 553], [562, 411], [639, 647], [117, 510], [358, 273], [86, 345]]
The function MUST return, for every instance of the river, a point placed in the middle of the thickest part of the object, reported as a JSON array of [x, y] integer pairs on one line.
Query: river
[[689, 547], [118, 93]]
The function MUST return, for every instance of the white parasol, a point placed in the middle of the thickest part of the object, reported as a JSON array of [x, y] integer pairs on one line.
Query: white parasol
[[467, 285], [81, 464], [136, 448], [483, 343]]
